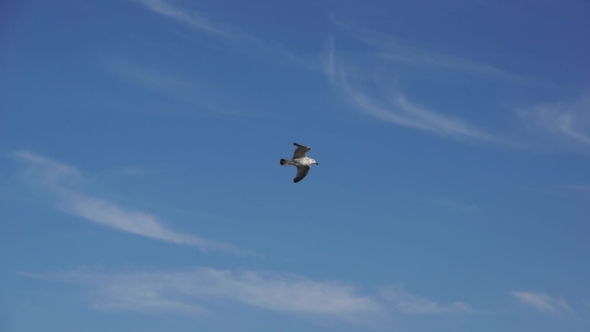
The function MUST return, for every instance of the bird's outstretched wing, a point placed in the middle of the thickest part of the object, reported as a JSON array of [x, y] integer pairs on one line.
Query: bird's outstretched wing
[[301, 173], [301, 151]]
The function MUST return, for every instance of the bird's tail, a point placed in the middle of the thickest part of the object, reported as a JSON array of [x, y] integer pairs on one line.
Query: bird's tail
[[284, 162]]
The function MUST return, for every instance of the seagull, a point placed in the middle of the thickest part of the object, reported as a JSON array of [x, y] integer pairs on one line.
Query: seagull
[[301, 161]]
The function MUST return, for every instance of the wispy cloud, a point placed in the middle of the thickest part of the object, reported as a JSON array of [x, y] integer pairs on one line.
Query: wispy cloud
[[544, 303], [568, 121], [388, 103], [329, 61], [583, 188], [398, 50], [61, 180], [132, 221], [187, 291], [372, 78], [396, 108], [48, 171], [209, 290], [198, 96], [192, 18], [236, 36], [407, 303]]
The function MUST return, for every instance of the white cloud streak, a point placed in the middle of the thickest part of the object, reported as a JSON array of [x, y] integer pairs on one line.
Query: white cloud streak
[[395, 49], [407, 303], [60, 179], [569, 121], [400, 111], [135, 222], [544, 303], [356, 73], [192, 18], [207, 290], [328, 63], [200, 97], [397, 109], [235, 36], [48, 171], [187, 291], [583, 188]]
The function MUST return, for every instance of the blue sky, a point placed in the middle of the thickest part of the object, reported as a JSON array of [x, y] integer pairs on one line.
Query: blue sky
[[140, 187]]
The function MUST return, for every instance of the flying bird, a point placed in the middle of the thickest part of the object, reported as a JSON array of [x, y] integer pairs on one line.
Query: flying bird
[[301, 161]]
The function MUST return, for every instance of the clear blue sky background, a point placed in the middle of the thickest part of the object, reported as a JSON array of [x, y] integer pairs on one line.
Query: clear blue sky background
[[140, 186]]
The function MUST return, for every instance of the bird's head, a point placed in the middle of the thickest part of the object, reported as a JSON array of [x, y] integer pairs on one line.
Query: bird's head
[[314, 162]]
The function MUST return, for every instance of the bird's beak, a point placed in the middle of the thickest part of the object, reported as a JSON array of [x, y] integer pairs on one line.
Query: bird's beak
[[316, 163]]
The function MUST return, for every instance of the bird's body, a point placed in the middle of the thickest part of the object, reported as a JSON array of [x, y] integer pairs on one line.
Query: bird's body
[[301, 161]]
